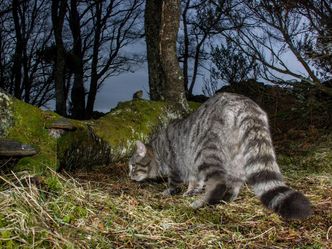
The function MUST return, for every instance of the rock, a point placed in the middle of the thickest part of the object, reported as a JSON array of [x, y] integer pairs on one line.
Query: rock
[[88, 144], [11, 148], [138, 95], [28, 127], [6, 114], [59, 127], [62, 124], [82, 149]]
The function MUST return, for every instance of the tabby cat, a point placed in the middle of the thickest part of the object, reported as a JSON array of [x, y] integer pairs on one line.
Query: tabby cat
[[216, 149]]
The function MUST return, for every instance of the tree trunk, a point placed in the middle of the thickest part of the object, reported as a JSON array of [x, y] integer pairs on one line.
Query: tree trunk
[[16, 71], [78, 91], [58, 14], [186, 44], [95, 57], [157, 77], [174, 91]]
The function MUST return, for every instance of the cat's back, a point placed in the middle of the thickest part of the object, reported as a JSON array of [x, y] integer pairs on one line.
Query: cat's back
[[229, 109]]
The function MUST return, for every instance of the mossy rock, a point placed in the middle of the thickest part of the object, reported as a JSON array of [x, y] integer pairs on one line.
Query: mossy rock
[[129, 121], [110, 138], [82, 148], [6, 113], [29, 128]]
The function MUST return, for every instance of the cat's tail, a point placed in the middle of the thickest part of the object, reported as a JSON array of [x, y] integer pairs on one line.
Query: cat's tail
[[269, 186]]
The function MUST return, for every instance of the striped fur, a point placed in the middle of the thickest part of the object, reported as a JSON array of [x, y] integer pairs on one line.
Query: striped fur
[[222, 145]]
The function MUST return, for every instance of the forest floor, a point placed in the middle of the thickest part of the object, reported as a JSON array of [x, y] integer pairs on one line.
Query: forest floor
[[103, 208]]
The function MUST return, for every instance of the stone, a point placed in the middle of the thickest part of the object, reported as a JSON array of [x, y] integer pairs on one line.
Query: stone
[[62, 124], [6, 115], [11, 148], [59, 127], [138, 95]]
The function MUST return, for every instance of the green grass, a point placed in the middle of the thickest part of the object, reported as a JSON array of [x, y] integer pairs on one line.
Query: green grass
[[104, 209]]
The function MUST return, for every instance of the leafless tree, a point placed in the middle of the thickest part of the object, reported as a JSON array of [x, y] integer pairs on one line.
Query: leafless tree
[[202, 21], [77, 91], [174, 91], [114, 26], [24, 30], [231, 66], [273, 31], [59, 9], [5, 45], [317, 46]]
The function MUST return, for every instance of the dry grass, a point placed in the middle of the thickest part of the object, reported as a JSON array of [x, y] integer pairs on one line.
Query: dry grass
[[104, 209]]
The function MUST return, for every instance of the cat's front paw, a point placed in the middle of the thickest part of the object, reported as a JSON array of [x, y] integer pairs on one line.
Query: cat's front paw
[[197, 204]]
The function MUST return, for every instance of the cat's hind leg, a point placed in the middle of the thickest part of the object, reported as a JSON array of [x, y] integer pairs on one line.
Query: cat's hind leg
[[195, 187], [232, 191], [215, 190]]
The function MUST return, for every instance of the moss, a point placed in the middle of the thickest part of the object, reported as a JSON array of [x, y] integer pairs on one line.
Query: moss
[[29, 128], [130, 121], [82, 149], [118, 130]]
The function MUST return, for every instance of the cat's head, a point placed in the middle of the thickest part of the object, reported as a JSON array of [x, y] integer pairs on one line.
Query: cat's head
[[143, 164]]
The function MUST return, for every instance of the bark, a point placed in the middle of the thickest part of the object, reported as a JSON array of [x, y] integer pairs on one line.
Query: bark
[[16, 71], [58, 14], [174, 91], [78, 91], [157, 77], [95, 57], [186, 44]]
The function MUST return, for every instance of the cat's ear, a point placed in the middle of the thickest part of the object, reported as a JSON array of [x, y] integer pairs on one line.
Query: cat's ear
[[140, 148]]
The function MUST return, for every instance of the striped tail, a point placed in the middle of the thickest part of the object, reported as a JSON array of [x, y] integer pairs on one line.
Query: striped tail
[[269, 186], [262, 171]]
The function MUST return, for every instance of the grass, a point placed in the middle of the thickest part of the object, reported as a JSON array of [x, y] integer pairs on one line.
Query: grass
[[104, 209]]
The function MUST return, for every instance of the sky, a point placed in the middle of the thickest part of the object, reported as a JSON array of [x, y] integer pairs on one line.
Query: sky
[[122, 87]]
